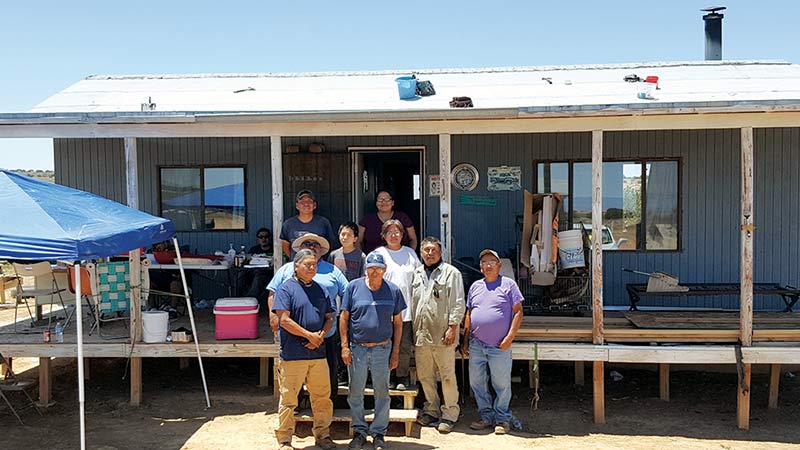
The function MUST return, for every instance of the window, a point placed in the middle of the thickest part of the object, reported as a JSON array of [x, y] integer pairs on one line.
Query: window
[[203, 199], [640, 200]]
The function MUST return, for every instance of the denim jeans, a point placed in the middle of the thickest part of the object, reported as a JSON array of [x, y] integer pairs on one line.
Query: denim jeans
[[490, 364], [376, 361]]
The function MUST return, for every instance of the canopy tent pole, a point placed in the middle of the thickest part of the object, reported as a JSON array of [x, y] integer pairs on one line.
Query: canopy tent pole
[[79, 321], [191, 318]]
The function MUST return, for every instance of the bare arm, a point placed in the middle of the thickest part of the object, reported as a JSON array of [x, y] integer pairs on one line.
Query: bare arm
[[412, 237], [314, 338], [465, 342], [516, 322], [287, 249], [344, 324], [394, 358], [361, 231], [273, 318]]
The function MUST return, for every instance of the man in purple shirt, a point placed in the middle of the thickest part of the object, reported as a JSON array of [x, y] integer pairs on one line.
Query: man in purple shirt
[[494, 315]]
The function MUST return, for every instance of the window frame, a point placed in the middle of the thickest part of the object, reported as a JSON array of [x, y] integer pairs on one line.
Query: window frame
[[638, 160], [202, 168]]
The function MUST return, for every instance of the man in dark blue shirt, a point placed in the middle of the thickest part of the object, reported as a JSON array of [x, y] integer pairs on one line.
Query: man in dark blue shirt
[[305, 315], [370, 327]]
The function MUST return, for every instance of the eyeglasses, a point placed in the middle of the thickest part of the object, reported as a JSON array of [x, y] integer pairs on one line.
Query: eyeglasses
[[308, 266], [263, 236], [489, 263], [311, 244], [384, 200], [394, 233]]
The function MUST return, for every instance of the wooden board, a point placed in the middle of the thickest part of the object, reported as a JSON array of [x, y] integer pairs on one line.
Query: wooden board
[[711, 320]]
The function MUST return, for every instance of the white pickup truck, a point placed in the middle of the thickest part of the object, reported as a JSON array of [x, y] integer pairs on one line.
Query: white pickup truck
[[608, 238]]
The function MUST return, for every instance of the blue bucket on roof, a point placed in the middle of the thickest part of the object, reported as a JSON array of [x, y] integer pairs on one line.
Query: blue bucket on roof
[[406, 87]]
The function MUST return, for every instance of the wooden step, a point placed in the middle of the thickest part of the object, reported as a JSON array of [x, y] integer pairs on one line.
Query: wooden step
[[407, 416], [344, 390]]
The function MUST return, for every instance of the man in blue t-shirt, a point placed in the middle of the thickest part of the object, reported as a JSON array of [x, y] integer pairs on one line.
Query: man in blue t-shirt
[[305, 315], [370, 327], [304, 222], [331, 279]]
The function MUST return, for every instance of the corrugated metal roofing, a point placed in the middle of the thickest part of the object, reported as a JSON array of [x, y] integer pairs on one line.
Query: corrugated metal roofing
[[529, 89]]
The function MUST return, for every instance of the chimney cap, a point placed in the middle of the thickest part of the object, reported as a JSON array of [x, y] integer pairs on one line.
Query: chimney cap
[[714, 9]]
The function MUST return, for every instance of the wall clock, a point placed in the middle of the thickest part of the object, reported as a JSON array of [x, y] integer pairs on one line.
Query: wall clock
[[465, 177]]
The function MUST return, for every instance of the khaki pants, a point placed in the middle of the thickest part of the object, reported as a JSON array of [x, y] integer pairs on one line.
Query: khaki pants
[[292, 375], [442, 359]]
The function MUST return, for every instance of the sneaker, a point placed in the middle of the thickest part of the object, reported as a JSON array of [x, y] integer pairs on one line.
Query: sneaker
[[379, 443], [358, 442], [502, 428], [426, 420], [445, 426], [326, 443], [480, 424], [403, 383], [285, 446]]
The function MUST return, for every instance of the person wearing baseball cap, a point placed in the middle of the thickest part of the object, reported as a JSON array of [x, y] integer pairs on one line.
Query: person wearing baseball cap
[[304, 222], [332, 281], [370, 326], [494, 315]]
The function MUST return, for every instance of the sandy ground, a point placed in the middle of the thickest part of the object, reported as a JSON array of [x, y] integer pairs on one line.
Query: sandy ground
[[701, 414]]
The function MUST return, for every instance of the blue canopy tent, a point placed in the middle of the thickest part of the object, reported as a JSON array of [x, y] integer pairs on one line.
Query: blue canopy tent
[[46, 222]]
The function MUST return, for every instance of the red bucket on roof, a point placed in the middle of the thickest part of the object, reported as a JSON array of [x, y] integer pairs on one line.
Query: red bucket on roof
[[652, 79]]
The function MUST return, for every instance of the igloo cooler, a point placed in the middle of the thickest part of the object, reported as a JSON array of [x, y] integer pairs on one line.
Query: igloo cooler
[[236, 318]]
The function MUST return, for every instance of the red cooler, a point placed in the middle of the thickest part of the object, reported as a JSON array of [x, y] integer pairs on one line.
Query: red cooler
[[236, 318]]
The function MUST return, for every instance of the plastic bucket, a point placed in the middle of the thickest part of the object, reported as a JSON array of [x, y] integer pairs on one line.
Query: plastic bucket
[[406, 87], [570, 249], [155, 325], [647, 91]]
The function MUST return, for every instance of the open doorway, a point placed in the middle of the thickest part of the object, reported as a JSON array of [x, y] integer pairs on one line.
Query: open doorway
[[394, 169]]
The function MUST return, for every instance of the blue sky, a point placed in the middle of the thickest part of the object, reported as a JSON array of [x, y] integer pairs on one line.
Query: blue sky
[[49, 45]]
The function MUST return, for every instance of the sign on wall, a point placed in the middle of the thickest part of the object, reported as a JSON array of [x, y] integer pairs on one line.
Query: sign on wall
[[434, 185], [504, 178]]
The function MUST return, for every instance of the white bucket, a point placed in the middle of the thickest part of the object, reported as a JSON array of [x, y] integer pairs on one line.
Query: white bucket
[[570, 249], [155, 325]]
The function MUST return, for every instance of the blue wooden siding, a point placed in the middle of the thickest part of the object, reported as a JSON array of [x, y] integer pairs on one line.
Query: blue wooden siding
[[710, 190], [709, 165]]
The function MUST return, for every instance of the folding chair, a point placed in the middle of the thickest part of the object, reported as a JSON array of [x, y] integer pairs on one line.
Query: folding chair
[[43, 271], [111, 291], [10, 383], [86, 290]]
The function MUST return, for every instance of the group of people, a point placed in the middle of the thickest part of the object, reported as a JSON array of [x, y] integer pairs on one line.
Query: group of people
[[373, 312]]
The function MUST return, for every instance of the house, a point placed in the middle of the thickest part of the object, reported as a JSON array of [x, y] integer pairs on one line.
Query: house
[[698, 176]]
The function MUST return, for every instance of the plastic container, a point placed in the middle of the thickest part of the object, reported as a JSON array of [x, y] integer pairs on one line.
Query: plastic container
[[155, 326], [59, 334], [236, 318], [647, 91], [406, 87], [570, 249]]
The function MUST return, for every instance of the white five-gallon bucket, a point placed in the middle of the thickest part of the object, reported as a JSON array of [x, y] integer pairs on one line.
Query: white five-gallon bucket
[[570, 249], [155, 325]]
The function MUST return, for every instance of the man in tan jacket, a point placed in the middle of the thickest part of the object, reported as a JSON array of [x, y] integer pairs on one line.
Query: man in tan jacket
[[437, 302]]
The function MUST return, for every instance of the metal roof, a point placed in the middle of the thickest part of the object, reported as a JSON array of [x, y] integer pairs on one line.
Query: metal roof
[[525, 90]]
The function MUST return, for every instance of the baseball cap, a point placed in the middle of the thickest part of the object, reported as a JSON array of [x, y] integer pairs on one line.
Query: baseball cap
[[488, 251], [303, 193], [375, 259]]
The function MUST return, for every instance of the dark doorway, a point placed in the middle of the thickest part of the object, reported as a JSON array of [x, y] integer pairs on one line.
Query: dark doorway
[[396, 171]]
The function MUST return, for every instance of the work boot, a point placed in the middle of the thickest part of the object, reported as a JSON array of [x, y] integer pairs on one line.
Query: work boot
[[502, 428], [480, 424], [426, 420], [445, 426], [358, 442], [379, 443], [326, 443]]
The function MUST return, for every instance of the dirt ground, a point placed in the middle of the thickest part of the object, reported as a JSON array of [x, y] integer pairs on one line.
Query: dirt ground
[[701, 415]]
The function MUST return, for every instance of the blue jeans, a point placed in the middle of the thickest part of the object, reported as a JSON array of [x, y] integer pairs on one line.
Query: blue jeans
[[490, 364], [376, 361]]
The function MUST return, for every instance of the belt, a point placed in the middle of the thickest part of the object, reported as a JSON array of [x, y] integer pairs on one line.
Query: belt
[[374, 344]]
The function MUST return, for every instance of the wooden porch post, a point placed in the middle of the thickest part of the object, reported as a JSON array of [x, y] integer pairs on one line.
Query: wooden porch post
[[597, 272], [746, 307], [276, 166], [45, 381], [444, 200], [774, 384]]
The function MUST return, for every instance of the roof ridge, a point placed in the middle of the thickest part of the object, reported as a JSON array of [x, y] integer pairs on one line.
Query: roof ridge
[[511, 69]]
